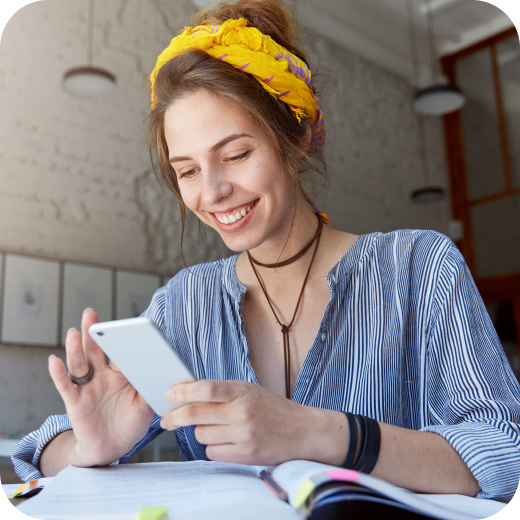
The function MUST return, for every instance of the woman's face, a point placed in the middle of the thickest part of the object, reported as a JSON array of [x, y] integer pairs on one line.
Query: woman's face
[[228, 171]]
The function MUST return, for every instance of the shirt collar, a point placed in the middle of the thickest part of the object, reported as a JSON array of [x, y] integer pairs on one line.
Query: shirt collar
[[353, 256]]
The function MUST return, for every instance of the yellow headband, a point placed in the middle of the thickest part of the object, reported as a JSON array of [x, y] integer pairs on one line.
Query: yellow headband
[[280, 72]]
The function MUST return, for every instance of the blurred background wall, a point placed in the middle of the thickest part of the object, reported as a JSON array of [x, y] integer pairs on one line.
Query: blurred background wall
[[76, 182]]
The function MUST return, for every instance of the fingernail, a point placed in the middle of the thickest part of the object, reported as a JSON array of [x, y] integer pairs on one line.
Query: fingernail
[[162, 425], [89, 309], [51, 356], [71, 329], [170, 396]]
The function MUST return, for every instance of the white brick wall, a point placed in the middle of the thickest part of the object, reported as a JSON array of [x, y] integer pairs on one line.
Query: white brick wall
[[75, 181]]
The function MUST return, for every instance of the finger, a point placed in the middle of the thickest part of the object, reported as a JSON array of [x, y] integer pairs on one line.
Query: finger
[[216, 434], [225, 453], [95, 356], [195, 413], [68, 391], [76, 361], [113, 366], [206, 390]]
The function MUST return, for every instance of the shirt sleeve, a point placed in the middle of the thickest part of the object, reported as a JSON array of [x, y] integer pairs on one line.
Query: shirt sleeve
[[473, 395], [26, 455]]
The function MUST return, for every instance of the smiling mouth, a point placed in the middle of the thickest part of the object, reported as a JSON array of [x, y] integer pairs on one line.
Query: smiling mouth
[[230, 217]]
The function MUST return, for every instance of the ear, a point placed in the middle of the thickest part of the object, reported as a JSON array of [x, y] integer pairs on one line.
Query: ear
[[305, 141]]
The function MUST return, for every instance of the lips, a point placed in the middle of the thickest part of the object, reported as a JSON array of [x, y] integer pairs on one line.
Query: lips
[[235, 219]]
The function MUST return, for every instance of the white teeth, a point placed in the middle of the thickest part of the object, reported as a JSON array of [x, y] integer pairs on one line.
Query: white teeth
[[229, 219]]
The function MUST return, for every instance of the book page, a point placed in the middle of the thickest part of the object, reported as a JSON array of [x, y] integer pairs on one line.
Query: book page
[[188, 489]]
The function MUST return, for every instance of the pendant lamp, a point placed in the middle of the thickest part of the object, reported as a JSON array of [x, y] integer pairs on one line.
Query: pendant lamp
[[89, 82], [437, 99], [427, 193]]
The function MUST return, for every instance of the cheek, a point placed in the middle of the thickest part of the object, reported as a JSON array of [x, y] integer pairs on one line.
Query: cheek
[[190, 195]]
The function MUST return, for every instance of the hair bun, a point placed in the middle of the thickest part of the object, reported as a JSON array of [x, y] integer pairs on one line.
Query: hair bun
[[271, 17]]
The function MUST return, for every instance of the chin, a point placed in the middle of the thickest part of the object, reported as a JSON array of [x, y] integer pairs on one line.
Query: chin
[[239, 244]]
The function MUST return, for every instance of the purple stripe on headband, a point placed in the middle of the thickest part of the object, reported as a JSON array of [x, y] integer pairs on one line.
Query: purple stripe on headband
[[300, 72], [282, 94], [319, 133], [268, 79], [243, 66], [223, 56]]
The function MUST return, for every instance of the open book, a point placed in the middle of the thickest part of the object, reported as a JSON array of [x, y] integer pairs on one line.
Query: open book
[[215, 490]]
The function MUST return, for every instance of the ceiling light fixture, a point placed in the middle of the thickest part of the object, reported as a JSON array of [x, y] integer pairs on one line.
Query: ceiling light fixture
[[437, 99], [89, 82], [427, 193]]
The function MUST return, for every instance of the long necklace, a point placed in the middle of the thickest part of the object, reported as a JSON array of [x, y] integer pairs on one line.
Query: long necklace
[[285, 328]]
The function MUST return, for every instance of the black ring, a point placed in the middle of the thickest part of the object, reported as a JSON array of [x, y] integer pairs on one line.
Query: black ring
[[82, 380]]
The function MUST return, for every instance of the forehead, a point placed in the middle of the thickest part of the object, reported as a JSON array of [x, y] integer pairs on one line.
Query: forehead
[[201, 119]]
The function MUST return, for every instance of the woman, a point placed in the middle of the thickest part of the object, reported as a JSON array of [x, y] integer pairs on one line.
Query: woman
[[373, 352]]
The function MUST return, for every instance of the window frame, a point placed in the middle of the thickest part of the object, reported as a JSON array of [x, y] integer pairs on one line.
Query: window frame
[[496, 288]]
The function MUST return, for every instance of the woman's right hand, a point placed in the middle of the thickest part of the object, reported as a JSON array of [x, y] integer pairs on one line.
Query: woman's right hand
[[107, 414]]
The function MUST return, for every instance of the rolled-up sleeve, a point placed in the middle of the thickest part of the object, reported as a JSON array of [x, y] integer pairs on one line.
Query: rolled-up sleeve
[[26, 455], [473, 395]]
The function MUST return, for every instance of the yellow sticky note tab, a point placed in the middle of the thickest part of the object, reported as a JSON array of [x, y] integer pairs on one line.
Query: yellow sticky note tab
[[152, 513], [303, 493]]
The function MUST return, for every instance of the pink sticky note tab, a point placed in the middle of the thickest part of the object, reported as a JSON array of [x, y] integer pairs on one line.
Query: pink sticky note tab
[[347, 475]]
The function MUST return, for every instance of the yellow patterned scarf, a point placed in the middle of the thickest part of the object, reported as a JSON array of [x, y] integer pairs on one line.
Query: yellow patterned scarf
[[279, 71]]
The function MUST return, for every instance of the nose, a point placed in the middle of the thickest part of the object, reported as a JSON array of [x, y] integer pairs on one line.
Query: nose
[[215, 188]]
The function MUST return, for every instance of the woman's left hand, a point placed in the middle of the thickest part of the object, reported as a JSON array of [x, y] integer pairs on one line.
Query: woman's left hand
[[245, 423]]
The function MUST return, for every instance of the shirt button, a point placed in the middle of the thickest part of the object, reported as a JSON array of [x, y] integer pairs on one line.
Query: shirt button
[[323, 336]]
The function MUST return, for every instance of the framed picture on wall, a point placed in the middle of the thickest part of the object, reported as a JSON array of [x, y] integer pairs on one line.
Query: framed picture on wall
[[85, 286], [30, 301], [134, 292]]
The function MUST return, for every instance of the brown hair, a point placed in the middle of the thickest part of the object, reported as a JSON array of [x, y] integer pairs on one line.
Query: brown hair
[[194, 70]]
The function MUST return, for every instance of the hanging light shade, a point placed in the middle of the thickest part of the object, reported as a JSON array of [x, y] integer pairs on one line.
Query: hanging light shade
[[438, 100], [427, 101], [89, 82], [427, 194]]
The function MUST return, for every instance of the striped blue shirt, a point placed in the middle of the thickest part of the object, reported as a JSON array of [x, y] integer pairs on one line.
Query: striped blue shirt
[[405, 339]]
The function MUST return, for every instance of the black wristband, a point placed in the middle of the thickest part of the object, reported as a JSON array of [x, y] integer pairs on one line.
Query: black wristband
[[371, 445], [375, 434], [353, 444]]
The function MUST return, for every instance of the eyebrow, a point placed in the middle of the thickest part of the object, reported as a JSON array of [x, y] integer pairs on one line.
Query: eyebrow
[[214, 148]]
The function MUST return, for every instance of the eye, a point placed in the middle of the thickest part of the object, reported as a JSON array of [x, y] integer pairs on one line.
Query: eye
[[189, 173], [238, 157]]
